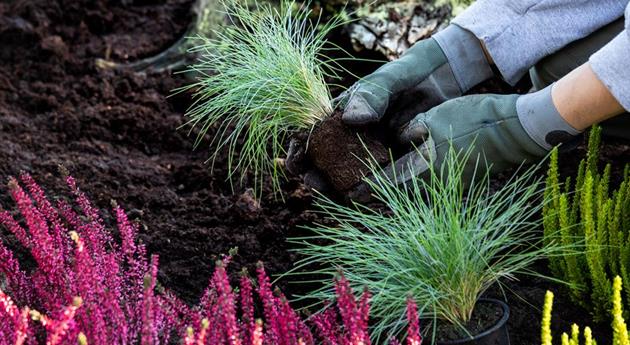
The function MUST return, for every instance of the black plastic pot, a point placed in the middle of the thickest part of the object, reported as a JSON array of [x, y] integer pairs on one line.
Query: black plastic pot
[[495, 335]]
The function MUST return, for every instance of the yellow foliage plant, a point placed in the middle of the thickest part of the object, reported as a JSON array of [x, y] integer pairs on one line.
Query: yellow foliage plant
[[594, 220], [620, 329]]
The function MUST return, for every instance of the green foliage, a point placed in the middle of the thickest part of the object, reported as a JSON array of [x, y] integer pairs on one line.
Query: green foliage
[[589, 215], [432, 239], [259, 80]]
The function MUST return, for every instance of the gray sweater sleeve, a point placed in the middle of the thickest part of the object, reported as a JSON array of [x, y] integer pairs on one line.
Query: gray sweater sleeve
[[518, 33], [612, 65]]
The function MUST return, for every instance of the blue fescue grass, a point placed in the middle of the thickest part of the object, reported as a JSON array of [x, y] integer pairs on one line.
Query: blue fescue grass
[[259, 80], [433, 239]]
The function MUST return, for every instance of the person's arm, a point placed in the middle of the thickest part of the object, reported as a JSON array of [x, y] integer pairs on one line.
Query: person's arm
[[599, 89], [517, 34], [583, 100], [611, 64]]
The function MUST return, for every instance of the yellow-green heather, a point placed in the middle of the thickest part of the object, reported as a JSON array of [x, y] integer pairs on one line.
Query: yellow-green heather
[[594, 219], [620, 331], [545, 335], [619, 328]]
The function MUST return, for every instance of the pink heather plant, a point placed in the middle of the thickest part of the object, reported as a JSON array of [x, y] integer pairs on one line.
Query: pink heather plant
[[88, 289], [84, 281], [14, 323]]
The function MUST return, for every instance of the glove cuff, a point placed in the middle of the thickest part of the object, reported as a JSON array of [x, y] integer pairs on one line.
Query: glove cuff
[[542, 121], [465, 56]]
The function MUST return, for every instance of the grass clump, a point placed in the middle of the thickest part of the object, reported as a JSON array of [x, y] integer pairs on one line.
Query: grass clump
[[259, 80], [433, 240], [589, 211]]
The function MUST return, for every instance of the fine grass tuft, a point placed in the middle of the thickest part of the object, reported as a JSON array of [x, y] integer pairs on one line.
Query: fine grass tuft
[[432, 239], [259, 80]]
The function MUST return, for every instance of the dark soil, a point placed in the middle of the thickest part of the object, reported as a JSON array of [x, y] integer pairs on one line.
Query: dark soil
[[116, 132], [341, 152], [484, 316]]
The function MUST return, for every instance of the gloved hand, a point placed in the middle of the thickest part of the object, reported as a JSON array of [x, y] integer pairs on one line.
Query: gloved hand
[[500, 130], [429, 73]]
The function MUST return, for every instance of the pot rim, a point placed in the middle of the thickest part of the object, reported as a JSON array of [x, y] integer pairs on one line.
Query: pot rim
[[500, 323]]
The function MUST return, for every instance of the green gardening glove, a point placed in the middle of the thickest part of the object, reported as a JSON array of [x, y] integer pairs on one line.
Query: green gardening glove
[[429, 73], [498, 131]]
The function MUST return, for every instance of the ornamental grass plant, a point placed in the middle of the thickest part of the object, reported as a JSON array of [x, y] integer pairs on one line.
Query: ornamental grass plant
[[87, 288], [589, 213], [258, 81], [431, 239]]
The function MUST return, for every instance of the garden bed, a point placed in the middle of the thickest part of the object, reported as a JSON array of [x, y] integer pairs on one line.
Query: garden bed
[[116, 132]]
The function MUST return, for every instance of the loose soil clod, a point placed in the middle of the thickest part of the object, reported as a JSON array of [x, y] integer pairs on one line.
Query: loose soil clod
[[341, 152]]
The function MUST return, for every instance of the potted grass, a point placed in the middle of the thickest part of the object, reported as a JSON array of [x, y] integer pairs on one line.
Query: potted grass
[[436, 241], [263, 80]]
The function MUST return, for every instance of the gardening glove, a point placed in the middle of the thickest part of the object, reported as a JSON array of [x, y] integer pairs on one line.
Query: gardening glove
[[430, 72], [500, 131]]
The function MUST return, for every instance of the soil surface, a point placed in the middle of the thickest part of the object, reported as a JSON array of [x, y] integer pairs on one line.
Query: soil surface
[[484, 316], [117, 134], [341, 152]]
